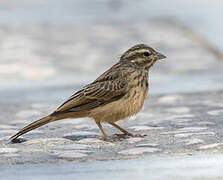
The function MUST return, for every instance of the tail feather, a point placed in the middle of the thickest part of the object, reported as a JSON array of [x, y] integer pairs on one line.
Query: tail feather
[[32, 126]]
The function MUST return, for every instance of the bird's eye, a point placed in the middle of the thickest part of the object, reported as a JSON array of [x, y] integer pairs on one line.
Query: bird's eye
[[146, 54]]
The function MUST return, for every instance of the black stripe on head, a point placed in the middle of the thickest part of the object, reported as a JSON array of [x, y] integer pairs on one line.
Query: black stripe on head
[[138, 47]]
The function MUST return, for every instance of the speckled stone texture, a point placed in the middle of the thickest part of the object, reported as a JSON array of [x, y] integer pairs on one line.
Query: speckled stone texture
[[176, 124], [41, 65]]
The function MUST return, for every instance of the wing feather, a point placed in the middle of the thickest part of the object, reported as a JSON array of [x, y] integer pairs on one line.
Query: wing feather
[[109, 87]]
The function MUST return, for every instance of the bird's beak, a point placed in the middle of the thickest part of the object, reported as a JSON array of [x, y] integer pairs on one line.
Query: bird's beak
[[159, 56]]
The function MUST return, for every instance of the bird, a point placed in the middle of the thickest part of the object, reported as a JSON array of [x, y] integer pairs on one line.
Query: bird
[[118, 93]]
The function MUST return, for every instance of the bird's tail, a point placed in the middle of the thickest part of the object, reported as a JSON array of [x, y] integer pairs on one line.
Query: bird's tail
[[32, 126]]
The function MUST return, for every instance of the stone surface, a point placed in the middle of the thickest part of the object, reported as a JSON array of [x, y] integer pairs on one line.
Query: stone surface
[[180, 135], [70, 155], [141, 128], [196, 167], [139, 151], [194, 141], [211, 146], [201, 134], [8, 150]]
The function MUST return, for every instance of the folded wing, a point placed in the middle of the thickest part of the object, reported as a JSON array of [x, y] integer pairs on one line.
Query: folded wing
[[106, 89]]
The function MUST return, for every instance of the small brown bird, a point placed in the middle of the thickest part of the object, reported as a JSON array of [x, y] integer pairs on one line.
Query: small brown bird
[[118, 93]]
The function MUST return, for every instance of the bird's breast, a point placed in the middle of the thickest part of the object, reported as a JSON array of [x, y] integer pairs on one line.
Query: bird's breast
[[135, 99], [130, 104]]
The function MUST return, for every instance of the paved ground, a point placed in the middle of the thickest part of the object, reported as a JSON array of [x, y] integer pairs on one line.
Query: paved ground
[[44, 63], [177, 124], [174, 123], [199, 167]]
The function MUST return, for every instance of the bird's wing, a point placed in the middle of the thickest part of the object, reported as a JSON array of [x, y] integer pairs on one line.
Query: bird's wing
[[102, 91]]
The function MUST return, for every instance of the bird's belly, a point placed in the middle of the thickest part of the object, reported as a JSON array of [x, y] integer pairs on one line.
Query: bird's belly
[[127, 106]]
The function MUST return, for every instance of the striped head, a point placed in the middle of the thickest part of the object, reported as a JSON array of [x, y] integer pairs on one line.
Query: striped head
[[141, 56]]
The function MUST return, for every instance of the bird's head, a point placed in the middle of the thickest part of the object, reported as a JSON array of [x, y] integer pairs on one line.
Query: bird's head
[[141, 56]]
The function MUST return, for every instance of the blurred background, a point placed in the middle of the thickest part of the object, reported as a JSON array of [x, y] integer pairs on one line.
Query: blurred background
[[49, 49], [201, 15]]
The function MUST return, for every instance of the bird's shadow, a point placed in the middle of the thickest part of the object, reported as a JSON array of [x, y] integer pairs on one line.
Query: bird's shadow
[[18, 140], [79, 137], [70, 137], [107, 139]]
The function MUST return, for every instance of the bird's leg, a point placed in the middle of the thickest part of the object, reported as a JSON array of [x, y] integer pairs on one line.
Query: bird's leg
[[105, 138], [101, 128], [126, 133]]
